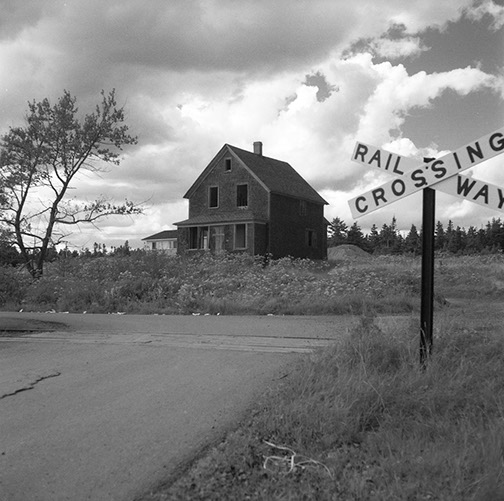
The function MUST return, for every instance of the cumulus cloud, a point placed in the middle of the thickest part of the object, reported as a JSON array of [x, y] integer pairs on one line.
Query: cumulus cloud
[[395, 49], [488, 8], [195, 75]]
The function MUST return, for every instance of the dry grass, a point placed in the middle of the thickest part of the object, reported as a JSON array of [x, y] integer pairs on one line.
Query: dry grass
[[371, 424]]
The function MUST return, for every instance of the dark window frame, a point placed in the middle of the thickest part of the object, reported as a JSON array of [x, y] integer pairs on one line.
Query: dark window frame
[[242, 195], [311, 238], [199, 238], [193, 238], [213, 197]]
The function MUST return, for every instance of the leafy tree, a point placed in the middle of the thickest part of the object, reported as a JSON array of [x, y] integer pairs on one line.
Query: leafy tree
[[449, 236], [356, 237], [338, 231], [8, 253], [39, 162], [495, 234], [440, 237], [459, 240], [373, 238], [413, 242], [390, 238], [473, 240], [123, 250]]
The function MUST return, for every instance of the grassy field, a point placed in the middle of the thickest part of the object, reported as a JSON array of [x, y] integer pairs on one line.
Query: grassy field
[[149, 283], [357, 421], [362, 421]]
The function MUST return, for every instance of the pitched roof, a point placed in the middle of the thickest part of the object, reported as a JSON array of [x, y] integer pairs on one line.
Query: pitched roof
[[162, 235], [278, 176], [221, 218], [275, 175]]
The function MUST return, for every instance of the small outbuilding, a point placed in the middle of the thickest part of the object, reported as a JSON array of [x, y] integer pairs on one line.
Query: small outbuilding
[[165, 241]]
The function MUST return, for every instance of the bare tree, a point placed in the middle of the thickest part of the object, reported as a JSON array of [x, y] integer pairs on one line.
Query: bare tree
[[38, 163]]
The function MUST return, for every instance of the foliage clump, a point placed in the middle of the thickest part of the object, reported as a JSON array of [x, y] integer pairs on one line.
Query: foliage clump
[[46, 156], [151, 282]]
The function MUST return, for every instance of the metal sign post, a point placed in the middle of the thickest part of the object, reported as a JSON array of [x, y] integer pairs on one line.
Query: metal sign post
[[427, 299]]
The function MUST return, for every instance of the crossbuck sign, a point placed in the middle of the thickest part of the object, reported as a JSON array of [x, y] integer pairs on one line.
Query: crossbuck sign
[[441, 174]]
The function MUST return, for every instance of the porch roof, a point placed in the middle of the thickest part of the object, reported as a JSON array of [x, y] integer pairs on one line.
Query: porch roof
[[239, 216]]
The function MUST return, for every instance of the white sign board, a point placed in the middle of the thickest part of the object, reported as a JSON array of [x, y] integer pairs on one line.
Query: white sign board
[[467, 188], [429, 174]]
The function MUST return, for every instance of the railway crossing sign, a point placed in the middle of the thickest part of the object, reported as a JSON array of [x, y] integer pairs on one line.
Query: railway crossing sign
[[465, 187], [441, 173]]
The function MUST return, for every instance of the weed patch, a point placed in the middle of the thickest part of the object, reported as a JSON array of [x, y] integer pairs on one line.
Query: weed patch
[[227, 284]]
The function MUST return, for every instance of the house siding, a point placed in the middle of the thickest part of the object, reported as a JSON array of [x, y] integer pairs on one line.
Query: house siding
[[283, 215], [288, 228], [227, 182], [260, 246]]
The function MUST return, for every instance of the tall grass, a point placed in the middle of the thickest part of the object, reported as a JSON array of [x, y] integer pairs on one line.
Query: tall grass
[[225, 284], [376, 426], [240, 284]]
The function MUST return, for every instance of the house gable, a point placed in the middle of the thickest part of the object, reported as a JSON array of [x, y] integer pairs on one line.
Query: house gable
[[275, 176], [244, 201], [225, 187], [219, 162]]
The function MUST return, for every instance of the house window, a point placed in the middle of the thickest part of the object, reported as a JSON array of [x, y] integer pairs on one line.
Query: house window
[[198, 237], [153, 245], [213, 196], [240, 236], [193, 237], [311, 238], [302, 208], [227, 164], [242, 195], [203, 237]]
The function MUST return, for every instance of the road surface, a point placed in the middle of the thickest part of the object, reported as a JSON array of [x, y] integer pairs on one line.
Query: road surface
[[104, 407]]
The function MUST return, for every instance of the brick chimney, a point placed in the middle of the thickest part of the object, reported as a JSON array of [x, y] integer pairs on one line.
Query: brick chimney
[[258, 148]]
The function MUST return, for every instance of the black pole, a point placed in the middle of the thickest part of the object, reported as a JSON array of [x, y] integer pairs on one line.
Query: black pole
[[427, 300]]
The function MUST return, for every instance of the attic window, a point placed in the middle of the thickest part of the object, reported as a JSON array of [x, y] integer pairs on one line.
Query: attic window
[[213, 196], [227, 164]]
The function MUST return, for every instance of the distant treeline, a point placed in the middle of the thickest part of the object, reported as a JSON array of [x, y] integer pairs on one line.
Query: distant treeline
[[450, 239], [9, 255], [385, 240]]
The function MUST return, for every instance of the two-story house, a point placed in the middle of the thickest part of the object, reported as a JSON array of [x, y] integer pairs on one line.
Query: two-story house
[[244, 201]]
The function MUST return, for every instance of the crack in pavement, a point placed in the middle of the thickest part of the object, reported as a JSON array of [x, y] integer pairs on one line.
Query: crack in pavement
[[30, 385]]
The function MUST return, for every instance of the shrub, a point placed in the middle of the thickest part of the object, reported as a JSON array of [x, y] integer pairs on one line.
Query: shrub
[[226, 283]]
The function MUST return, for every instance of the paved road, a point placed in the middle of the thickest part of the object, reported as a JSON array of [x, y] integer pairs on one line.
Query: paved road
[[108, 406]]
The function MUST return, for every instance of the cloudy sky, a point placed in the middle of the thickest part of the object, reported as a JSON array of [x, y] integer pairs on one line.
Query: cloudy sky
[[308, 78]]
